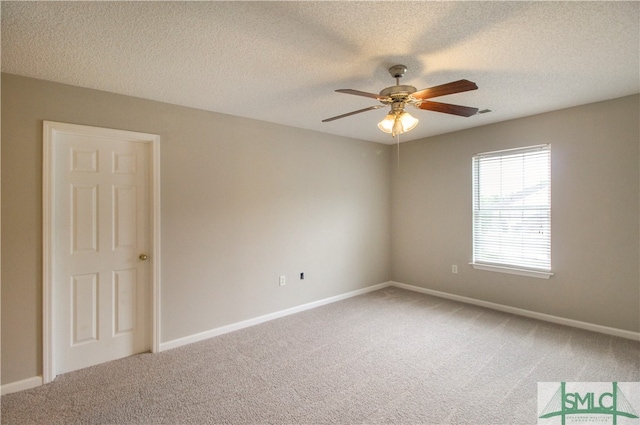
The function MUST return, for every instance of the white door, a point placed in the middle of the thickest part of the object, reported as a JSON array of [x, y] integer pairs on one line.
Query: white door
[[100, 243]]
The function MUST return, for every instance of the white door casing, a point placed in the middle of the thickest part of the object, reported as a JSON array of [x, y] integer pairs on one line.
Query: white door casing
[[101, 212]]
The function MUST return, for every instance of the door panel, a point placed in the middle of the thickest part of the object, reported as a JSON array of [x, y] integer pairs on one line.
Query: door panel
[[125, 288], [124, 217], [84, 291], [84, 218]]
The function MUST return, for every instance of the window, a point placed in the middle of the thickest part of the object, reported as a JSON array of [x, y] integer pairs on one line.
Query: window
[[512, 211]]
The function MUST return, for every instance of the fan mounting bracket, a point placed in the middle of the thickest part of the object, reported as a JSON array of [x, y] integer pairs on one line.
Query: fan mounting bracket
[[397, 71]]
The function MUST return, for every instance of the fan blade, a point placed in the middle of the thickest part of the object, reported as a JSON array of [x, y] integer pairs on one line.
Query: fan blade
[[354, 112], [444, 89], [362, 93], [447, 108]]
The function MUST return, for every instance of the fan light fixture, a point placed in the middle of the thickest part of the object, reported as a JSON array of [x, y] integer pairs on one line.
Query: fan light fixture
[[398, 123]]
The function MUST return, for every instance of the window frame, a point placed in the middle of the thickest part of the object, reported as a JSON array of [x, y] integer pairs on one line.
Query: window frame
[[505, 266]]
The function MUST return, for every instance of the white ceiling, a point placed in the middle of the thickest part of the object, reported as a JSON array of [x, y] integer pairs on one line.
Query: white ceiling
[[281, 61]]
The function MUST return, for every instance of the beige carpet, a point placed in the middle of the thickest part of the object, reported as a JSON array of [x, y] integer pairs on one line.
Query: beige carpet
[[390, 356]]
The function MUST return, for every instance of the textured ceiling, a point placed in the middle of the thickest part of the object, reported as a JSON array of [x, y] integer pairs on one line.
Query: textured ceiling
[[281, 61]]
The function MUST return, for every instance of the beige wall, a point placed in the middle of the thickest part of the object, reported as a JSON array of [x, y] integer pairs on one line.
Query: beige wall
[[595, 214], [243, 202]]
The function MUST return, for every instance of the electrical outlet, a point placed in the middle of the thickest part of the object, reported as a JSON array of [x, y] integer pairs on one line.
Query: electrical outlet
[[454, 269], [283, 280]]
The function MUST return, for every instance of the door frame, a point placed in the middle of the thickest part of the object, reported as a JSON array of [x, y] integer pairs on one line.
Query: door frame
[[50, 129]]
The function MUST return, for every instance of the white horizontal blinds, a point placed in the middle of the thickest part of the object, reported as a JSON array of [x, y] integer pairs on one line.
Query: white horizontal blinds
[[512, 208]]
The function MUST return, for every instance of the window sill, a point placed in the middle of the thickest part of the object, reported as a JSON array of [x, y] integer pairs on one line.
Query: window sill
[[512, 270]]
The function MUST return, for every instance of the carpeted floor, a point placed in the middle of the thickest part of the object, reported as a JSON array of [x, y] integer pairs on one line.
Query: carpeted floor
[[390, 356]]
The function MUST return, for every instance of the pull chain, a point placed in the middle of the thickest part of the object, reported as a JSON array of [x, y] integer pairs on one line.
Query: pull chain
[[398, 149]]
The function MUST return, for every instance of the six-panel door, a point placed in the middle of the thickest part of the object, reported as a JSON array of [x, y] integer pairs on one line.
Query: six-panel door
[[101, 219]]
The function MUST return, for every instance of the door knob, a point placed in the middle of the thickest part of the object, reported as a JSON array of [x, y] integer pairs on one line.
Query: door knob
[[143, 257]]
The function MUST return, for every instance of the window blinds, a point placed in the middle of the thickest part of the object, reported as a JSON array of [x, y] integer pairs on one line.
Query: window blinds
[[512, 208]]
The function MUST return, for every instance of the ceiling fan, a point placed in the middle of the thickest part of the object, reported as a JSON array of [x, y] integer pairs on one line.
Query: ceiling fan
[[398, 121]]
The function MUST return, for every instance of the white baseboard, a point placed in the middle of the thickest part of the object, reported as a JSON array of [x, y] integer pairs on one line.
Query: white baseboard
[[267, 317], [522, 312], [25, 384]]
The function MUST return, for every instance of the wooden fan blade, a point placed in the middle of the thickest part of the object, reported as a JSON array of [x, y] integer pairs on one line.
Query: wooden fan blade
[[361, 93], [354, 112], [447, 108], [444, 89]]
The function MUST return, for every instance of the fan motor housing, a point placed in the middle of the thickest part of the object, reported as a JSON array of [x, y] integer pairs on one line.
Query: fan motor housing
[[398, 91]]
